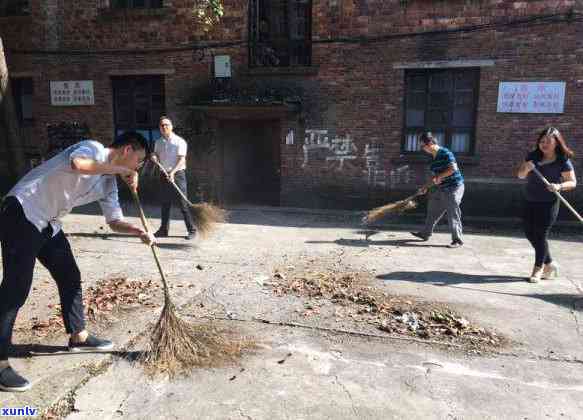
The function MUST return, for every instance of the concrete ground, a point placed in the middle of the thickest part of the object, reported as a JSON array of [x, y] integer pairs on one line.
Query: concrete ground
[[312, 367]]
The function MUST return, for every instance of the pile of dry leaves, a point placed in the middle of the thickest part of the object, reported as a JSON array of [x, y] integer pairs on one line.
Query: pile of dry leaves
[[399, 315], [117, 294], [102, 302]]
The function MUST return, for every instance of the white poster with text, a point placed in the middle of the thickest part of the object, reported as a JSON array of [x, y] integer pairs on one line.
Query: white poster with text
[[531, 97], [72, 93]]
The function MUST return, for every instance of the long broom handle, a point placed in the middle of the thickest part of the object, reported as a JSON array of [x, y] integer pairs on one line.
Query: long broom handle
[[563, 200], [184, 197], [152, 246]]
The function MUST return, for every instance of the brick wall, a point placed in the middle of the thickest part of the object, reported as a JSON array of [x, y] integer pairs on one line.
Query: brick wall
[[356, 93]]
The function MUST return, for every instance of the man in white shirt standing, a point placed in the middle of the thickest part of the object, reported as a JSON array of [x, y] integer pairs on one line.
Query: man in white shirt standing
[[171, 152], [30, 229]]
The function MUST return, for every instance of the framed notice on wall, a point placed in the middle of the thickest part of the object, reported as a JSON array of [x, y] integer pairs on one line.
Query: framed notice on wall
[[72, 93], [531, 97]]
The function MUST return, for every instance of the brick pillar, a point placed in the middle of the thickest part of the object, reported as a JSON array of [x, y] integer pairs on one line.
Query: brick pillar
[[8, 120]]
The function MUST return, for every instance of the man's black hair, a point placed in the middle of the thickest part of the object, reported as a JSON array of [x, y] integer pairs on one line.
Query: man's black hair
[[131, 138], [427, 138]]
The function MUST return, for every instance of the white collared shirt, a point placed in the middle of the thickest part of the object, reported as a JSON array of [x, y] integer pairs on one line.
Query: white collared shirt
[[52, 189], [170, 150]]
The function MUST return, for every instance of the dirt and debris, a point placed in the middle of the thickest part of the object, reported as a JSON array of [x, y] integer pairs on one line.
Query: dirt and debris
[[115, 294], [282, 361], [353, 297], [103, 302]]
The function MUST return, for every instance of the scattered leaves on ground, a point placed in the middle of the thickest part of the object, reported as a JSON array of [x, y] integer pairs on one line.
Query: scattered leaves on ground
[[101, 303], [116, 294], [355, 298]]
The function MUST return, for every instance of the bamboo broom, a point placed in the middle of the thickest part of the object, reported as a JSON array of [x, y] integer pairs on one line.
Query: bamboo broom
[[396, 207], [205, 216], [176, 347]]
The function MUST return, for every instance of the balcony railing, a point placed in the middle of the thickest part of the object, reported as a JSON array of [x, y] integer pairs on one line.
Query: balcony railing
[[280, 53]]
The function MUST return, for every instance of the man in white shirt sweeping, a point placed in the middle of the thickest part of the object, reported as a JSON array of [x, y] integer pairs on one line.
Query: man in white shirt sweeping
[[30, 229], [171, 152]]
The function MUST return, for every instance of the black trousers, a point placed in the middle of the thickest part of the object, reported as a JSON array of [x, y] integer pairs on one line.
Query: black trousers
[[22, 244], [539, 218], [170, 196]]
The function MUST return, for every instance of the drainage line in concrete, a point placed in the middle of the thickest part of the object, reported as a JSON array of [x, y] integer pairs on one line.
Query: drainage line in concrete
[[531, 356], [333, 330]]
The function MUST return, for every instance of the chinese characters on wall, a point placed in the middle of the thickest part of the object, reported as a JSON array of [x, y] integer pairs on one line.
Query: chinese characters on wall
[[336, 151], [72, 93], [531, 97]]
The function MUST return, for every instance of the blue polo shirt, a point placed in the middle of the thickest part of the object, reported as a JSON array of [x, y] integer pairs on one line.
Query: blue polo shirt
[[440, 163]]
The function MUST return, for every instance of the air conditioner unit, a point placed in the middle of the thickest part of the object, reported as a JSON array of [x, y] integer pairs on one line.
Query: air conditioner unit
[[222, 66]]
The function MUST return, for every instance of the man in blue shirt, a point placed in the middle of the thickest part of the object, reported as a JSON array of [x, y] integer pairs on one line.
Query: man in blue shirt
[[448, 194]]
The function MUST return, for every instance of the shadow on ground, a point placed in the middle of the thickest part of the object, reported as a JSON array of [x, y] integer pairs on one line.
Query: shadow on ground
[[41, 350], [314, 218], [162, 244], [447, 278], [571, 301], [34, 350], [363, 243]]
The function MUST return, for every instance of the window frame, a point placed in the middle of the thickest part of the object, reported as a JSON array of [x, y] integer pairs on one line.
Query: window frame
[[152, 127], [130, 4], [254, 16], [449, 128], [16, 8], [18, 85]]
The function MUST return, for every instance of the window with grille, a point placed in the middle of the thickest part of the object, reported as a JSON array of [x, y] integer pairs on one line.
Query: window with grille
[[14, 7], [22, 90], [137, 4], [443, 102], [138, 104], [280, 33]]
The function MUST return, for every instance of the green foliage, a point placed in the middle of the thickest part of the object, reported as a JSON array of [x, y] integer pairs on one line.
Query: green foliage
[[208, 12]]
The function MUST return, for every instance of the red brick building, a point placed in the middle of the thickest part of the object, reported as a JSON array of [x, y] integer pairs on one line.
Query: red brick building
[[309, 103]]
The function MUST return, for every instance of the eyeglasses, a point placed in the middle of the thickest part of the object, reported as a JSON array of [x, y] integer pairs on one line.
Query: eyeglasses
[[164, 125]]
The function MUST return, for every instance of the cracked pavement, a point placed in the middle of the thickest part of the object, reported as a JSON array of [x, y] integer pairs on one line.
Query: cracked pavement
[[312, 368]]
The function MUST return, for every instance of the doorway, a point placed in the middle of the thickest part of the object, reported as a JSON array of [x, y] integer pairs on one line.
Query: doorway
[[250, 160]]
